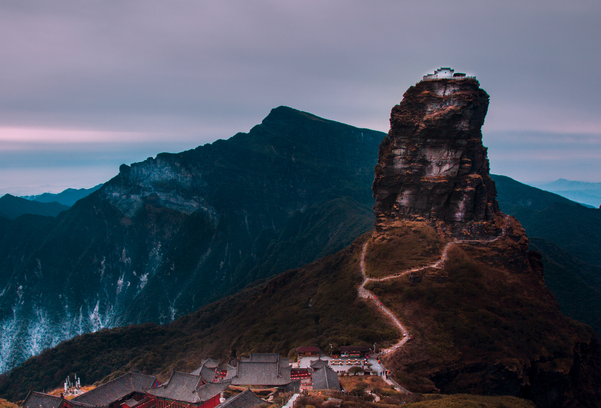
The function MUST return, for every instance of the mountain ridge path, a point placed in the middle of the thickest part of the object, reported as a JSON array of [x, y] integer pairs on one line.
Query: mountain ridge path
[[366, 294]]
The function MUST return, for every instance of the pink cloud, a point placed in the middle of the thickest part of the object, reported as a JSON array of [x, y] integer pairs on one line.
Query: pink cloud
[[26, 135]]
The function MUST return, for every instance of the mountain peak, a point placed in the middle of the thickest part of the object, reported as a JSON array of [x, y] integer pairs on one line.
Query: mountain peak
[[287, 114], [432, 165]]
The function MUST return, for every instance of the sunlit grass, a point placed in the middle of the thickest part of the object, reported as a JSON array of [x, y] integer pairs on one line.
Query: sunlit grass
[[404, 246]]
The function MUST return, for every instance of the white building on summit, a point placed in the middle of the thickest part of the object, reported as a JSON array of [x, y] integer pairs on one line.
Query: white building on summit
[[445, 73]]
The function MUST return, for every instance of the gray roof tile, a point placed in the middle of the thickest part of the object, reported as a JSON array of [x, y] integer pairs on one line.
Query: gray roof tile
[[318, 364], [180, 387], [271, 373], [230, 372], [205, 371], [208, 391], [210, 363], [246, 399], [39, 400], [116, 389], [187, 388], [325, 379]]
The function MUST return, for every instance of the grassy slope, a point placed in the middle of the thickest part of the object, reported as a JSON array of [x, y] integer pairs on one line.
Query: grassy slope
[[358, 388], [472, 401], [484, 324], [493, 314], [567, 224], [415, 244], [574, 283], [7, 404], [316, 304], [568, 235], [356, 396]]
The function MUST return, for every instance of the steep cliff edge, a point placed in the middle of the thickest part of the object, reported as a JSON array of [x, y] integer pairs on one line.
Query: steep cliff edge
[[432, 163], [481, 317]]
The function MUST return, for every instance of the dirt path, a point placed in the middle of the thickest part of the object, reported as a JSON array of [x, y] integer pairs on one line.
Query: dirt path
[[366, 294]]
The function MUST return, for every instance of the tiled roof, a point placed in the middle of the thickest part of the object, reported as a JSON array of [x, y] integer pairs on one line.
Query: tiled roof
[[206, 372], [261, 373], [180, 387], [230, 372], [77, 404], [266, 369], [39, 400], [208, 391], [318, 363], [325, 379], [246, 399], [116, 389], [210, 363], [187, 388]]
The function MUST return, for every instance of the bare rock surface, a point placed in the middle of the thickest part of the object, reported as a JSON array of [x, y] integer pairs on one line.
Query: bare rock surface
[[432, 164]]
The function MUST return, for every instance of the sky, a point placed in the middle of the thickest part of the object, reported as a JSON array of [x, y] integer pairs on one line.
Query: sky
[[88, 85]]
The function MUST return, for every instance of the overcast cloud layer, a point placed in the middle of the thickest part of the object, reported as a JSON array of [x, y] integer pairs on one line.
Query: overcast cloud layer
[[88, 85]]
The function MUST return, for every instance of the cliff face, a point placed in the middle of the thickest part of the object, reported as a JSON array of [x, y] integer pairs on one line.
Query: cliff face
[[482, 319], [432, 163]]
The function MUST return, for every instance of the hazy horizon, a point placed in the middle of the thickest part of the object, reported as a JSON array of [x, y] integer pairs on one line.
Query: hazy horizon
[[91, 85], [68, 177]]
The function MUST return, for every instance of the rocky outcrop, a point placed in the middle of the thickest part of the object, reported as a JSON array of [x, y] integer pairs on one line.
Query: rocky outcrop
[[483, 322], [432, 164]]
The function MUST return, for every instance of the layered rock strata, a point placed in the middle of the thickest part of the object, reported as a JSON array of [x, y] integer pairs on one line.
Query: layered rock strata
[[432, 164]]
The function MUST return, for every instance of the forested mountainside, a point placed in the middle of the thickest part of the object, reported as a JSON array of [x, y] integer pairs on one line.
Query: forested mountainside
[[446, 285], [11, 207], [173, 233], [478, 325]]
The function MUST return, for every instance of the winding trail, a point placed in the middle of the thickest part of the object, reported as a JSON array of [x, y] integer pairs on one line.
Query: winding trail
[[366, 294]]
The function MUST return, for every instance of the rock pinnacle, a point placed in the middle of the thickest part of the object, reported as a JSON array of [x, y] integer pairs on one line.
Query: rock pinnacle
[[432, 165]]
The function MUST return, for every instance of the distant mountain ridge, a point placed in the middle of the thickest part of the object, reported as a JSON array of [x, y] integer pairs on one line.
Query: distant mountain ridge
[[568, 224], [175, 232], [12, 207], [579, 191], [66, 197]]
